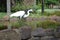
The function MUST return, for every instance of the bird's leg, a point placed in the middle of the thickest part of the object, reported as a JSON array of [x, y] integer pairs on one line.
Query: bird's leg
[[19, 17]]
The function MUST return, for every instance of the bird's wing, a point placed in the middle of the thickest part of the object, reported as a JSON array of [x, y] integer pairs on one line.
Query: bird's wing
[[16, 14], [25, 16]]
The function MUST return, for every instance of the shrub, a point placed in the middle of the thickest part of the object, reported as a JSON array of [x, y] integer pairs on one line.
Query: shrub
[[19, 7], [18, 23], [48, 24], [43, 24], [2, 26], [32, 24], [57, 13], [2, 14], [15, 25]]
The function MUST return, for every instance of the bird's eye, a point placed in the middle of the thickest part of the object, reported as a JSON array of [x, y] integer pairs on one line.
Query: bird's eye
[[30, 11]]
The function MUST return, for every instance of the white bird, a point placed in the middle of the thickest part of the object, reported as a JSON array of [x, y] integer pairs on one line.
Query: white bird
[[21, 14]]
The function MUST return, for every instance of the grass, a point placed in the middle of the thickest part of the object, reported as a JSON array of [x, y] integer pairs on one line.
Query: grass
[[2, 14], [34, 24], [36, 15]]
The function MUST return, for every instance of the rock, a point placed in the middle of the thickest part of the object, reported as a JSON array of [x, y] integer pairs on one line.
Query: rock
[[49, 32], [58, 29], [58, 19], [30, 19], [55, 18], [25, 32], [9, 35], [36, 38], [43, 18], [6, 17], [39, 32], [14, 20], [58, 38], [48, 38], [57, 32]]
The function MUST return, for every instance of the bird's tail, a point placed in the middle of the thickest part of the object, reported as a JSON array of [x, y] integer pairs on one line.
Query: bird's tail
[[11, 16]]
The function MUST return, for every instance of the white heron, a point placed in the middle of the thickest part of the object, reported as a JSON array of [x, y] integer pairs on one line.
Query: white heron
[[21, 14]]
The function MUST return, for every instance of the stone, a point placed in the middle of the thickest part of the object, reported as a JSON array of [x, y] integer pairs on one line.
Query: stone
[[57, 32], [58, 19], [43, 18], [48, 38], [55, 18], [58, 38], [49, 32], [9, 35], [6, 17], [36, 38], [39, 32], [25, 32]]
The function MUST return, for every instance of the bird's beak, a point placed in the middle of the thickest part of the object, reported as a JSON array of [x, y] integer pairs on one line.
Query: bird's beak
[[31, 12]]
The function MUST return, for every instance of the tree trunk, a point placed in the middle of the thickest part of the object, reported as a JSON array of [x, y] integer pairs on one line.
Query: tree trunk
[[8, 12]]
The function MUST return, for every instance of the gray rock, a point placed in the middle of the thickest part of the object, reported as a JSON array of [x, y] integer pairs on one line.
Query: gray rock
[[25, 32], [48, 38], [57, 32], [58, 38], [58, 29], [58, 19], [43, 18], [36, 38], [9, 35], [39, 32], [49, 32], [55, 18]]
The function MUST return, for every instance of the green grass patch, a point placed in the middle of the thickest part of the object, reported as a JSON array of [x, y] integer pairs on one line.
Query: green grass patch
[[44, 24], [35, 14], [48, 24], [33, 24], [38, 15], [2, 14], [2, 26]]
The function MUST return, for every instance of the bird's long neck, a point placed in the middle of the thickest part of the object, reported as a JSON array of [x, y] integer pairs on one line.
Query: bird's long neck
[[26, 15], [28, 12]]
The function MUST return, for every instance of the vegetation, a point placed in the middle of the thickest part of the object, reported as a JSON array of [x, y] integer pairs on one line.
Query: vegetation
[[39, 14], [35, 14], [2, 26], [52, 1], [19, 5], [48, 24], [56, 13], [2, 14], [34, 24]]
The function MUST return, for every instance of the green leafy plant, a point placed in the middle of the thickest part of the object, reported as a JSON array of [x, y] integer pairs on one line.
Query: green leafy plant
[[57, 13], [18, 23], [48, 24], [2, 26]]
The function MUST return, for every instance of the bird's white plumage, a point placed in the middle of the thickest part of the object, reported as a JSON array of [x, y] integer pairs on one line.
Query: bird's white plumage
[[20, 14]]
